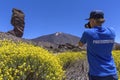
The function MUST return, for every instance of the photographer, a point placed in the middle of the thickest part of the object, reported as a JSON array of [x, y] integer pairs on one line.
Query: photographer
[[99, 42]]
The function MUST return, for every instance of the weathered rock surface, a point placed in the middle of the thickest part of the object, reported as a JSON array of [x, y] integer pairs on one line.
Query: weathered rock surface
[[77, 70], [17, 21], [68, 47], [7, 36]]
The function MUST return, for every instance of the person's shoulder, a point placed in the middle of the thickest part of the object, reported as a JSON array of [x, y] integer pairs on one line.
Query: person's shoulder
[[89, 31], [112, 30]]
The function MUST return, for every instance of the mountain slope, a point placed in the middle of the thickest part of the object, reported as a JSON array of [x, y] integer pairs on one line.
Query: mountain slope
[[58, 38], [63, 40]]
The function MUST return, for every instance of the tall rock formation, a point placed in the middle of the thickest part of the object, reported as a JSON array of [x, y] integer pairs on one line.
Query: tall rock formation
[[17, 21]]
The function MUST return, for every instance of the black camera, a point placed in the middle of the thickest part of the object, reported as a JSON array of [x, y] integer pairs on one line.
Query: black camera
[[87, 25]]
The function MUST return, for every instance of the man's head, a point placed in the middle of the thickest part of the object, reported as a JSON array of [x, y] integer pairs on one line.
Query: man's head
[[96, 18]]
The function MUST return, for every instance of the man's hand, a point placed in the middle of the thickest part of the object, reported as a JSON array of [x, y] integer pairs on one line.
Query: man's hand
[[80, 44]]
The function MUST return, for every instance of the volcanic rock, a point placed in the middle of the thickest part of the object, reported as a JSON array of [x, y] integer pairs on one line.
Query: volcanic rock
[[17, 21], [77, 70], [7, 36]]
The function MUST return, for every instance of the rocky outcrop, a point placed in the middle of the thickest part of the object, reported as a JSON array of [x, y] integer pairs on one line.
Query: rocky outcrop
[[77, 70], [68, 47], [6, 36], [17, 21]]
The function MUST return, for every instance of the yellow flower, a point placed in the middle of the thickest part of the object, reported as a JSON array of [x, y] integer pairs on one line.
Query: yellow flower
[[18, 60]]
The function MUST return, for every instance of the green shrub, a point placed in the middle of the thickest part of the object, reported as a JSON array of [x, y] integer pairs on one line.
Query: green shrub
[[23, 61], [116, 54], [69, 57]]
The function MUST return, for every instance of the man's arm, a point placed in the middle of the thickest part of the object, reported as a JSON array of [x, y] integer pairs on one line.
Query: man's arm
[[83, 39]]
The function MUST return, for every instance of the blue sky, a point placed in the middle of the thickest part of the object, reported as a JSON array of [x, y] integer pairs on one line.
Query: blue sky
[[44, 17]]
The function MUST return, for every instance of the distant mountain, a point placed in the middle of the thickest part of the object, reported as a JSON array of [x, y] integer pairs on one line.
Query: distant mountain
[[58, 42], [58, 38], [61, 40]]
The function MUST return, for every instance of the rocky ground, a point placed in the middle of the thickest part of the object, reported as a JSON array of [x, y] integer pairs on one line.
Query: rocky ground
[[77, 71]]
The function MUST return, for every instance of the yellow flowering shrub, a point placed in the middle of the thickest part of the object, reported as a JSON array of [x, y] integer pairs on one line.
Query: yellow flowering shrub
[[69, 57], [23, 61], [116, 55]]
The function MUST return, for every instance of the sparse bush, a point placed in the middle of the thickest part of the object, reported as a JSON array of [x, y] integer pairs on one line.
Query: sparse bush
[[69, 57], [23, 61], [116, 54]]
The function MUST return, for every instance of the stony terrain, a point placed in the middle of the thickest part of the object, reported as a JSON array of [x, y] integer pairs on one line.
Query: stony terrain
[[77, 71]]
